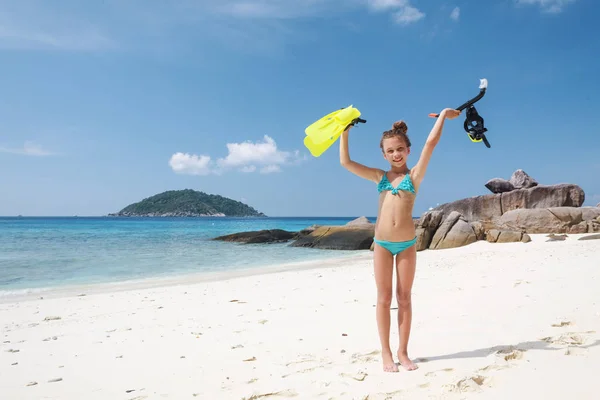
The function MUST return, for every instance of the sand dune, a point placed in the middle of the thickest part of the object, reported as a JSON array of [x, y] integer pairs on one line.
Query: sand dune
[[516, 320]]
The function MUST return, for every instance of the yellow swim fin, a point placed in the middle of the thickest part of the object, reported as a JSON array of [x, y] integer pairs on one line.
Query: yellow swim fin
[[332, 124], [321, 134], [316, 149]]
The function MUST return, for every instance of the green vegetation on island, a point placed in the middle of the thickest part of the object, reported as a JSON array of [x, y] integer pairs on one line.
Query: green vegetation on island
[[188, 203]]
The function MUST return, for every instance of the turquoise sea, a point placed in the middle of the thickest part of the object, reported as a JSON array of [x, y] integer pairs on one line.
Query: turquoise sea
[[53, 252]]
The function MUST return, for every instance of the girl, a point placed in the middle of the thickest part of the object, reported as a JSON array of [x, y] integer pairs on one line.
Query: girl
[[395, 230]]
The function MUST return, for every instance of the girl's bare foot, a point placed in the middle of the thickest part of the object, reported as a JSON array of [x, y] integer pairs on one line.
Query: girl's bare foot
[[388, 362], [406, 362]]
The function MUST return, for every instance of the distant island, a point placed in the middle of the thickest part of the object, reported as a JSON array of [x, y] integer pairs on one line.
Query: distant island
[[187, 203]]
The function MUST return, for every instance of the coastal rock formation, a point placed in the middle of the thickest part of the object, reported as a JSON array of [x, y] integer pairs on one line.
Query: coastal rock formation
[[490, 206], [262, 236], [521, 180], [499, 185], [455, 231], [551, 220], [497, 236], [425, 228], [349, 237], [514, 209]]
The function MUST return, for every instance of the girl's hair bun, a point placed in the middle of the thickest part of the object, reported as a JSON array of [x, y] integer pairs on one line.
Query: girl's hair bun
[[400, 127]]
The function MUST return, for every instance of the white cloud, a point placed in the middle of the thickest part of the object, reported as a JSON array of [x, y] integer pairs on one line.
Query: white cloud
[[407, 15], [244, 157], [549, 6], [191, 164], [386, 4], [29, 149], [247, 153], [455, 14], [248, 168], [270, 169], [404, 12]]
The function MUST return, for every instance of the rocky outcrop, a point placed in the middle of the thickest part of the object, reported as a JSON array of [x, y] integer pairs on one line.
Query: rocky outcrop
[[515, 209], [454, 231], [262, 236], [521, 180], [551, 220], [497, 236], [499, 185], [425, 228], [358, 237], [360, 221], [518, 180], [491, 206]]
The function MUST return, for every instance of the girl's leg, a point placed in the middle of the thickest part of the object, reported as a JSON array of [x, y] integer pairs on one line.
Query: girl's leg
[[384, 272], [406, 262]]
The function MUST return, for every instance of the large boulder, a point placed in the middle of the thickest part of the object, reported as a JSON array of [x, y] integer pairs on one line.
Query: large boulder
[[338, 238], [425, 227], [551, 220], [360, 221], [262, 236], [499, 185], [491, 206], [520, 179], [496, 236], [455, 231]]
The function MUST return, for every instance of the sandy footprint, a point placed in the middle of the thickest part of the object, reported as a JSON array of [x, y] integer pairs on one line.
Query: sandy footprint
[[281, 393], [305, 365], [510, 353], [433, 374], [366, 357], [517, 283], [473, 383], [569, 338], [358, 376], [561, 324]]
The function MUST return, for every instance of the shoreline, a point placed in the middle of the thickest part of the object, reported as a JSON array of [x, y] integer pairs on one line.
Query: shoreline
[[185, 278], [191, 278]]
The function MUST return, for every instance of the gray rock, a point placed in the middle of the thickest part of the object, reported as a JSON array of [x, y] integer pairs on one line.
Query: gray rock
[[263, 236], [360, 221], [499, 185], [338, 238], [426, 227], [497, 236], [520, 179], [549, 220], [455, 231], [488, 207]]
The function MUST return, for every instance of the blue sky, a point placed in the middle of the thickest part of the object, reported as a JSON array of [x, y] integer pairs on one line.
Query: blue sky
[[105, 103]]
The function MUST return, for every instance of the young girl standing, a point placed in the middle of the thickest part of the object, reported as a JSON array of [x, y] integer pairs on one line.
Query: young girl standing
[[394, 230]]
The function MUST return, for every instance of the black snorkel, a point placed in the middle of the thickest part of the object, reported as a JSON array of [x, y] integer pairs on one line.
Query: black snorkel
[[474, 124]]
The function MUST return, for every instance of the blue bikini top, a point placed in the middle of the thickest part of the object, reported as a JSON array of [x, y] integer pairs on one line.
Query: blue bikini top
[[406, 185]]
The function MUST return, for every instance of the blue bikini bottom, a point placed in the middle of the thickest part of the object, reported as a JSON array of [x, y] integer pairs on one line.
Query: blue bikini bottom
[[395, 247]]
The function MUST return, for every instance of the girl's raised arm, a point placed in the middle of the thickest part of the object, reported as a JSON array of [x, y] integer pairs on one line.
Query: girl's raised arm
[[418, 171], [372, 174]]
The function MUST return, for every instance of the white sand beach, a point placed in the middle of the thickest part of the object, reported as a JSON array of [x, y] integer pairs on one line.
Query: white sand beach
[[490, 321]]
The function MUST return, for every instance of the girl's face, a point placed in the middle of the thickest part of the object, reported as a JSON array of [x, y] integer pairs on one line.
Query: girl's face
[[395, 151]]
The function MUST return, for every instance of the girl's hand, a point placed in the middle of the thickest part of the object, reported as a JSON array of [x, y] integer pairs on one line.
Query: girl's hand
[[449, 113]]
